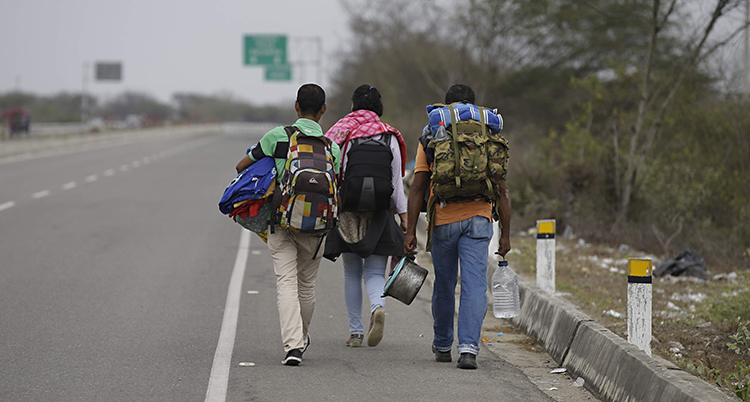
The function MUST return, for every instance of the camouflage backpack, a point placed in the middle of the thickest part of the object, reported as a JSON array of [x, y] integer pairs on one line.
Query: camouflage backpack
[[470, 162]]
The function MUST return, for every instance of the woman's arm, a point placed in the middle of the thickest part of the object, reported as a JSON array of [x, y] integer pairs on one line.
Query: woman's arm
[[398, 196]]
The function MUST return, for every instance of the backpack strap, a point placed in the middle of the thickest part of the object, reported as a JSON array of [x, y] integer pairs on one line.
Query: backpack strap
[[429, 152], [281, 151], [486, 148], [457, 171], [282, 148], [386, 138], [431, 206]]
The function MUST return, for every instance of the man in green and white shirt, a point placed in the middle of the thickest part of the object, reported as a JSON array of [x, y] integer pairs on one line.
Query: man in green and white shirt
[[267, 144], [293, 253]]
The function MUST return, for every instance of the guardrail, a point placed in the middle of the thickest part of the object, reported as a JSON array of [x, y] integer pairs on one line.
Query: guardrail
[[25, 146], [46, 130]]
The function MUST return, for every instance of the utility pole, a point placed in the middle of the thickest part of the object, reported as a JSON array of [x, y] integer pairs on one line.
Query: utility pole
[[319, 67], [84, 95]]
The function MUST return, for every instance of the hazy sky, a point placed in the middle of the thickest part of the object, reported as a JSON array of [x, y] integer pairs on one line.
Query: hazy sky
[[166, 46]]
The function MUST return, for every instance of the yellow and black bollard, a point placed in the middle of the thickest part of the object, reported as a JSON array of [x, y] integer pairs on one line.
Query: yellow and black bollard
[[639, 303], [545, 255]]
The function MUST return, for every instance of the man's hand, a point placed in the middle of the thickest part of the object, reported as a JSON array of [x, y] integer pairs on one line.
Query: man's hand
[[410, 244], [503, 246], [414, 205]]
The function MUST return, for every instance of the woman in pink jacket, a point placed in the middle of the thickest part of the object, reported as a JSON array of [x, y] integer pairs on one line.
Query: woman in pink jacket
[[371, 190]]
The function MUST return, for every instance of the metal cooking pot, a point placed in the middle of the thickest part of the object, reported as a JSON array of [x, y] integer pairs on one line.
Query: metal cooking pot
[[405, 280]]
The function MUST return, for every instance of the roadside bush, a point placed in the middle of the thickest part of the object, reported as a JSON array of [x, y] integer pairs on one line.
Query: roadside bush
[[740, 380]]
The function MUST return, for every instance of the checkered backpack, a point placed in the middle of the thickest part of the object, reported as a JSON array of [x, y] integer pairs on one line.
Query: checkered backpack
[[309, 199]]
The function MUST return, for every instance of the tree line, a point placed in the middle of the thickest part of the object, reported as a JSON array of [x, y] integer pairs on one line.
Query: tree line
[[184, 107], [624, 120]]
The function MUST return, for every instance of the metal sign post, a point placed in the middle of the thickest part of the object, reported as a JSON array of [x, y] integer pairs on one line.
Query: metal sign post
[[307, 51], [104, 71]]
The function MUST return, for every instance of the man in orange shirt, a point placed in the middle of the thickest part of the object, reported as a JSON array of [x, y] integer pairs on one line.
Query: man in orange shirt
[[461, 232]]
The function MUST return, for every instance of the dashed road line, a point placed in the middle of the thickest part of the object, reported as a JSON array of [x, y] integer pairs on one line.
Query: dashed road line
[[40, 194], [111, 172]]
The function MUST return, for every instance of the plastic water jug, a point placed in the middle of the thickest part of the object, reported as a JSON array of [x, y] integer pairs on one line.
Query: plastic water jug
[[505, 300]]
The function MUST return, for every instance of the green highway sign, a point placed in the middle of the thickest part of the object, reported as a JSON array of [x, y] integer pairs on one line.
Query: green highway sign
[[281, 72], [265, 50]]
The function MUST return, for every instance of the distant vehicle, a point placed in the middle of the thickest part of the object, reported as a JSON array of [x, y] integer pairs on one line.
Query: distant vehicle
[[133, 121], [19, 121], [96, 124]]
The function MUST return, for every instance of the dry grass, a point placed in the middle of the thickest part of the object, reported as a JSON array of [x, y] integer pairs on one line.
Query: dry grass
[[692, 319]]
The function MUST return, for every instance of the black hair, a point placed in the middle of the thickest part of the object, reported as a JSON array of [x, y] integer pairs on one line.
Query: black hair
[[311, 99], [459, 93], [368, 98]]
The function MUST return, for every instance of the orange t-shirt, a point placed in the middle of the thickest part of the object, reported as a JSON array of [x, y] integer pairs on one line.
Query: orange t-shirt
[[452, 212]]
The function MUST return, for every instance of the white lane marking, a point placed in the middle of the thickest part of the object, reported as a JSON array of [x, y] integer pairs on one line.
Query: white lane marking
[[136, 164], [124, 168], [68, 186], [146, 160], [255, 252], [91, 178], [40, 194], [252, 292], [9, 204], [109, 172], [219, 380]]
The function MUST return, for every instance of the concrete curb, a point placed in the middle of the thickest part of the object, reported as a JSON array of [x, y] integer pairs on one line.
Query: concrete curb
[[613, 369]]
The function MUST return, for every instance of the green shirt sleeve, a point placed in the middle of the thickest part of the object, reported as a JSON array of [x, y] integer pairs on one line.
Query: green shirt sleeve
[[268, 142], [336, 152]]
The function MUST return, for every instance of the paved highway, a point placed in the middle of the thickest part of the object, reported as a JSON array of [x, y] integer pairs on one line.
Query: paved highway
[[121, 281]]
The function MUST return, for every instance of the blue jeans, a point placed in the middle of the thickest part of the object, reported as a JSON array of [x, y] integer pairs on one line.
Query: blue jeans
[[372, 270], [466, 241]]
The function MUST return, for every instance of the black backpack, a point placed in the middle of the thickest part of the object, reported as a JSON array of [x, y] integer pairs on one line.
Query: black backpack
[[367, 185]]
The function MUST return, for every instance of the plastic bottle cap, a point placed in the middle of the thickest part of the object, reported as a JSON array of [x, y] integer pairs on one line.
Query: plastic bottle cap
[[442, 123], [502, 263]]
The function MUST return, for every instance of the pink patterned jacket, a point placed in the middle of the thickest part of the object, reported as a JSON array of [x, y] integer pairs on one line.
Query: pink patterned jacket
[[363, 123]]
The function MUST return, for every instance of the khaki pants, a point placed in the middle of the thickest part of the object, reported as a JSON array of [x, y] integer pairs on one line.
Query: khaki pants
[[296, 270]]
